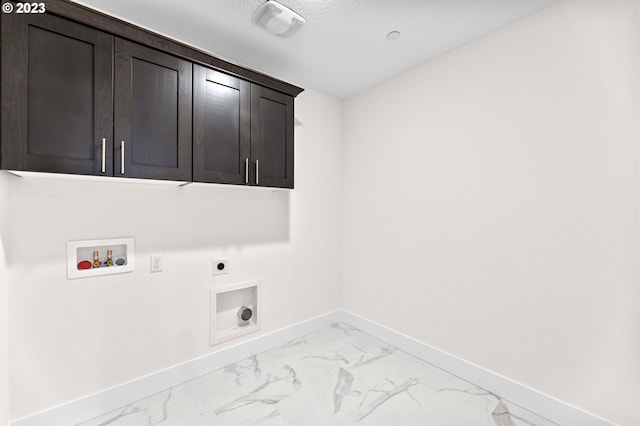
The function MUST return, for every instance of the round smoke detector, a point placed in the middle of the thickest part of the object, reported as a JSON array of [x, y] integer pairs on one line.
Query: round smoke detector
[[393, 35]]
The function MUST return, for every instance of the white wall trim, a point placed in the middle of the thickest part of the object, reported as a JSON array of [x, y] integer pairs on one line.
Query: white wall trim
[[110, 399], [544, 405], [93, 405]]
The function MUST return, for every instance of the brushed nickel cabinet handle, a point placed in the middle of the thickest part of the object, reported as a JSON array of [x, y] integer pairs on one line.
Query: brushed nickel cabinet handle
[[246, 170], [103, 168], [122, 157]]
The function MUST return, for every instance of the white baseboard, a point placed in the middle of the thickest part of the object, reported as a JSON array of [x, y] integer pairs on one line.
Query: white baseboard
[[93, 405], [544, 405], [110, 399]]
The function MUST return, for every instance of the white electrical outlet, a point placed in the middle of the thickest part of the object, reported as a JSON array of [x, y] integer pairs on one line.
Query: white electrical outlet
[[220, 266], [156, 263]]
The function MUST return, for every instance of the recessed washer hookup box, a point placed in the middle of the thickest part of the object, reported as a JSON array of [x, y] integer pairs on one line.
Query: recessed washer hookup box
[[90, 258]]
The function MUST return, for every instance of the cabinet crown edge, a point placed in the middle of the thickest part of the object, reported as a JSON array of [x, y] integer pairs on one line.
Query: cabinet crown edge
[[118, 27]]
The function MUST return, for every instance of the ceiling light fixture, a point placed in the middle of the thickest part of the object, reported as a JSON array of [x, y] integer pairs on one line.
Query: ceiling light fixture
[[277, 19]]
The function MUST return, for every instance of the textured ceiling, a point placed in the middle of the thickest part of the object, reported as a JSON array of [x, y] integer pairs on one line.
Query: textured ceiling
[[341, 49]]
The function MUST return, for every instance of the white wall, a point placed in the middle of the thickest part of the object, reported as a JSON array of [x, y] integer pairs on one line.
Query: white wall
[[4, 307], [70, 338], [490, 204]]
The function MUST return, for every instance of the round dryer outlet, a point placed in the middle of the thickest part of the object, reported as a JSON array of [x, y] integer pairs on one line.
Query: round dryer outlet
[[220, 266]]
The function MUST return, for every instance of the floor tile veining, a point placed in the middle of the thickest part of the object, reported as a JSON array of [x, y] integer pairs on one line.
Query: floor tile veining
[[336, 376]]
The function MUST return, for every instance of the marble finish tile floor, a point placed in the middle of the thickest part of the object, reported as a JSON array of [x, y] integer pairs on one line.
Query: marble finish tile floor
[[336, 376]]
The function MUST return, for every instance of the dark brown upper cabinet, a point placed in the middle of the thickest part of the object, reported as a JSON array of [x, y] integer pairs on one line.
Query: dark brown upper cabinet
[[221, 127], [272, 137], [242, 132], [60, 88], [86, 93], [152, 114], [57, 99]]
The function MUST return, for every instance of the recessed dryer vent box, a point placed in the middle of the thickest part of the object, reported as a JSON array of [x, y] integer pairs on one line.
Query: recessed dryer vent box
[[90, 258], [234, 311]]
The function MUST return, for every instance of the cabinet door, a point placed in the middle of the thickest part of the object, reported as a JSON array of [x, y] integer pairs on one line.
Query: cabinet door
[[56, 95], [152, 117], [221, 127], [271, 137]]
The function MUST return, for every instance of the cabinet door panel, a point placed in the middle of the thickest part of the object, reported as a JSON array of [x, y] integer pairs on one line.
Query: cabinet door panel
[[57, 93], [152, 114], [272, 137], [154, 98], [221, 125], [60, 67]]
